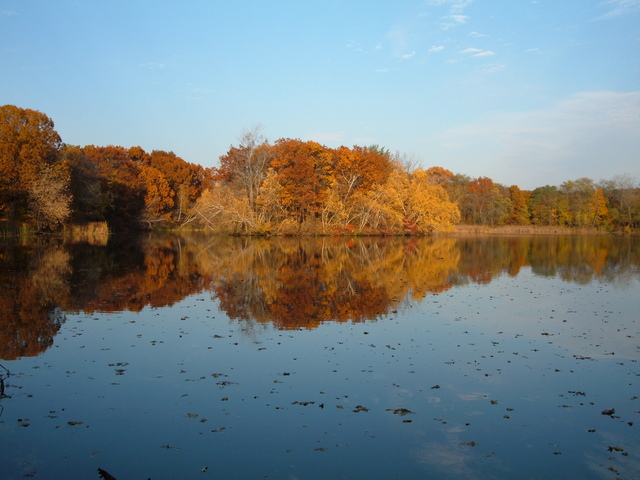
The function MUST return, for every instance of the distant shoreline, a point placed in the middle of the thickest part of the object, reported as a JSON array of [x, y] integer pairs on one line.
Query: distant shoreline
[[464, 230]]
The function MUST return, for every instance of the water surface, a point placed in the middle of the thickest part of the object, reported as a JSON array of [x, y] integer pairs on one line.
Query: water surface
[[204, 357]]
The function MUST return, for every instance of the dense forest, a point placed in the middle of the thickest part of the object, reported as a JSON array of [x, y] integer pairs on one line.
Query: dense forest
[[287, 187]]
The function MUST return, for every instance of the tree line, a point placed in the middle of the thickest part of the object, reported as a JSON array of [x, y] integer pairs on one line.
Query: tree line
[[286, 187]]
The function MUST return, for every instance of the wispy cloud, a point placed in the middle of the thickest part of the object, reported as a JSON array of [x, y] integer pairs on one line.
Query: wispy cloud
[[153, 65], [326, 137], [478, 35], [436, 48], [399, 38], [196, 93], [454, 4], [549, 146], [456, 15], [8, 13], [617, 8], [478, 52], [353, 45], [484, 53], [453, 20], [493, 68]]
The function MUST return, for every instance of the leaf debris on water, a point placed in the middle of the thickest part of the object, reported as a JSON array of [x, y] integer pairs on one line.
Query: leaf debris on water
[[400, 411]]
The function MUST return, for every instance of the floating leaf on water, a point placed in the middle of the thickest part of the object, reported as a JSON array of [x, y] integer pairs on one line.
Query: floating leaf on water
[[224, 383], [610, 412], [192, 415], [400, 411]]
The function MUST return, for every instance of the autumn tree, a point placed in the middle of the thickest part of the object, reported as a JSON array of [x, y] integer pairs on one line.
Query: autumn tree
[[269, 207], [485, 203], [158, 196], [429, 209], [457, 187], [384, 208], [577, 193], [623, 194], [548, 207], [244, 167], [139, 156], [28, 141], [123, 186], [356, 172], [358, 169], [304, 171], [519, 213], [91, 199], [439, 176], [597, 208], [49, 196], [187, 180]]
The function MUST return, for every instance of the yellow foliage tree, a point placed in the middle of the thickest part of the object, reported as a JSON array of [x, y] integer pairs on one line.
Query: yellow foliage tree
[[429, 209]]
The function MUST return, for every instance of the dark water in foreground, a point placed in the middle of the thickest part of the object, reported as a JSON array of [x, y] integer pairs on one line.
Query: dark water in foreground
[[196, 357]]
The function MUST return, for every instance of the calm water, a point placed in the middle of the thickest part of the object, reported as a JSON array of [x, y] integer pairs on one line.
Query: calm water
[[195, 357]]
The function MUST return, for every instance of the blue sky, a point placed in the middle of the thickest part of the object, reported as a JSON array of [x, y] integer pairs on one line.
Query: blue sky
[[525, 92]]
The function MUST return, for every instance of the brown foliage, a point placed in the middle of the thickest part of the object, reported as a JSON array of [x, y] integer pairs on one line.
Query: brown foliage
[[28, 141], [303, 171], [49, 196]]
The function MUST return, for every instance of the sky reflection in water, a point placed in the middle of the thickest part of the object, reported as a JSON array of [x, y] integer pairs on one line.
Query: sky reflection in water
[[468, 358]]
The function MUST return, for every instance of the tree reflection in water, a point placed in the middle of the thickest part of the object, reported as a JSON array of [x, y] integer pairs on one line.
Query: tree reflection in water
[[290, 282]]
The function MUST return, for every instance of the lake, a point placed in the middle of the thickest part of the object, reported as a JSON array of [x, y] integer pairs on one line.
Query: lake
[[179, 357]]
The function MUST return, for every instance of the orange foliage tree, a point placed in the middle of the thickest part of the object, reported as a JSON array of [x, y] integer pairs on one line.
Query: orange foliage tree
[[28, 142], [187, 180], [304, 171]]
